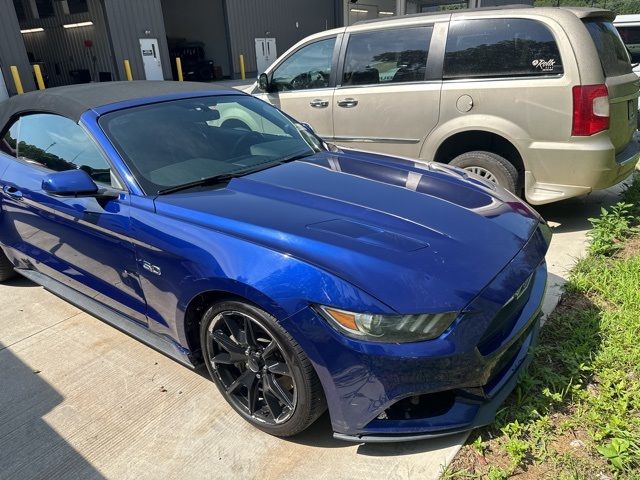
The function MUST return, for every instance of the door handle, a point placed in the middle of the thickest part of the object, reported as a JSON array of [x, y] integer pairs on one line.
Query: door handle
[[348, 103], [317, 103], [13, 192]]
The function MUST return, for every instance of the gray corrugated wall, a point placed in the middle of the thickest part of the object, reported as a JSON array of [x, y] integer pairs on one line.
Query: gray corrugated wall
[[65, 50], [128, 20], [12, 51], [251, 19]]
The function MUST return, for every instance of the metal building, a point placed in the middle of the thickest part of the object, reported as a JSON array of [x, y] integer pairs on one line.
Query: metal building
[[78, 41]]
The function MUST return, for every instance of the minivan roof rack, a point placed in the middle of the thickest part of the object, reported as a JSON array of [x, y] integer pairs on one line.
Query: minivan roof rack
[[442, 12]]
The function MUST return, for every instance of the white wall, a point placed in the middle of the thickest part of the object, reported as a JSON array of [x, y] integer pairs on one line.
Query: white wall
[[202, 21]]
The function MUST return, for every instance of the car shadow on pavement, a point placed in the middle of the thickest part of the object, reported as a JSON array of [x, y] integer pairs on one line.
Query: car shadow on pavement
[[573, 215], [320, 434], [410, 448], [29, 447], [20, 281]]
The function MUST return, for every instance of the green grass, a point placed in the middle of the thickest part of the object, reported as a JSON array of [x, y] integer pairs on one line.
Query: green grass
[[576, 412], [616, 224]]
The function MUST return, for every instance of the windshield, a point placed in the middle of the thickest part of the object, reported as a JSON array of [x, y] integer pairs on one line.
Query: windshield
[[183, 141]]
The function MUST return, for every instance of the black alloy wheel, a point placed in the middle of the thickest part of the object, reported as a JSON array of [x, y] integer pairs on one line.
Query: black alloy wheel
[[259, 369]]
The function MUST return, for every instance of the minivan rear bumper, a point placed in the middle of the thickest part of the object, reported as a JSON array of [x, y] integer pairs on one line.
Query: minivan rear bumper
[[557, 171]]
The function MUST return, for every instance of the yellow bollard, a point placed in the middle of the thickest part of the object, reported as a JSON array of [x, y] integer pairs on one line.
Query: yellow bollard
[[39, 79], [16, 79], [127, 70], [179, 68], [243, 75]]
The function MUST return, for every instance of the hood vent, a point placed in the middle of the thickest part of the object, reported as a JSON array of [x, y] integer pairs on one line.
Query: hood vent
[[369, 234]]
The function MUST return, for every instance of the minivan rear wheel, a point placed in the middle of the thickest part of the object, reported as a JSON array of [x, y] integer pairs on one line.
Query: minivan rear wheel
[[489, 166], [6, 269]]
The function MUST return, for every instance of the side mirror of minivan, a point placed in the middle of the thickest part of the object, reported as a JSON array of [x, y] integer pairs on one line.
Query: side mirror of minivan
[[263, 82]]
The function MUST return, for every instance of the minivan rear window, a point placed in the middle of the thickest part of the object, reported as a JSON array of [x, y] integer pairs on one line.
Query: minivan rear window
[[500, 47], [612, 52]]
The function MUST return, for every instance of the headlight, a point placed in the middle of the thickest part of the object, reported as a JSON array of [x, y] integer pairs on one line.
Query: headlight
[[389, 328]]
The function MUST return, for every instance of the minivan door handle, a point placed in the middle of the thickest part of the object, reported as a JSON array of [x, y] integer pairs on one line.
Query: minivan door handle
[[317, 103], [13, 192], [348, 103]]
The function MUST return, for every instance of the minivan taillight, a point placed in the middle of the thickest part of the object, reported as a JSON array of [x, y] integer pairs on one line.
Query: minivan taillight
[[590, 110]]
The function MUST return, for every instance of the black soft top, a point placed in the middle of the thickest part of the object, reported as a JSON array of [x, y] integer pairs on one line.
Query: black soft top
[[72, 101]]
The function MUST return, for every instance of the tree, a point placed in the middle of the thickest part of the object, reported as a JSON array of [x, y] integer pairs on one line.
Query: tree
[[620, 7]]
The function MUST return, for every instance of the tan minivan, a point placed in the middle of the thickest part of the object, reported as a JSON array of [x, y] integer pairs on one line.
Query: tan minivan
[[542, 101]]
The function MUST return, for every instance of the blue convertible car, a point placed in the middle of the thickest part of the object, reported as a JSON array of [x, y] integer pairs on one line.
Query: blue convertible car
[[403, 297]]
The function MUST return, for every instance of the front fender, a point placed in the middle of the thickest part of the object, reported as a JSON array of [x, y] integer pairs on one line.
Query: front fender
[[190, 260], [292, 286]]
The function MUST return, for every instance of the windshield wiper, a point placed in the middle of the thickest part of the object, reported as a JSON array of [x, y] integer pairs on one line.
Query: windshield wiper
[[225, 177], [294, 157]]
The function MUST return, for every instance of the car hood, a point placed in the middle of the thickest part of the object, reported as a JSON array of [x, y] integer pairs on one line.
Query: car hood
[[418, 237]]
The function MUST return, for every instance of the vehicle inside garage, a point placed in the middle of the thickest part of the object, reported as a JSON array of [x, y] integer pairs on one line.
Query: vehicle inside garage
[[196, 33]]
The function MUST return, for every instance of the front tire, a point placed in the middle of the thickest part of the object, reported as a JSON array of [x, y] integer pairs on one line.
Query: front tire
[[6, 268], [260, 370], [491, 167]]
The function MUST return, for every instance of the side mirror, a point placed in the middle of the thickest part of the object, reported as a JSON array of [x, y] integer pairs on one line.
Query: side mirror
[[263, 82], [70, 183]]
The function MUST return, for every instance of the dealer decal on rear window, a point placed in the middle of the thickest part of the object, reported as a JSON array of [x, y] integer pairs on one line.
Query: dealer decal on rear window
[[544, 65]]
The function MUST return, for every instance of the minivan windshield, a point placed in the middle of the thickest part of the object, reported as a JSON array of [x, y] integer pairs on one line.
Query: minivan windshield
[[611, 50], [189, 142]]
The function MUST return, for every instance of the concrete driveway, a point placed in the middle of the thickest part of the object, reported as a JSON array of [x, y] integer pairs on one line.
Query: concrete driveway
[[79, 399]]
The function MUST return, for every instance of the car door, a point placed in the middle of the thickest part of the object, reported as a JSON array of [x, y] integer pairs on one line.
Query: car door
[[388, 95], [302, 84], [85, 242]]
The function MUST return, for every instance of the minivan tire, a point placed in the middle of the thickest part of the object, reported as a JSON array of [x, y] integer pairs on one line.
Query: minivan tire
[[491, 166], [6, 269]]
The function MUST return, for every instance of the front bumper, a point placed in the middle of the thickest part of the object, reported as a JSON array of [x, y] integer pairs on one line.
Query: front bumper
[[471, 414], [468, 371]]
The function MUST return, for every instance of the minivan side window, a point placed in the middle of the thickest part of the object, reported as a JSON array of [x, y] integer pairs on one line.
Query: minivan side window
[[307, 68], [506, 47], [387, 56], [59, 144], [9, 141]]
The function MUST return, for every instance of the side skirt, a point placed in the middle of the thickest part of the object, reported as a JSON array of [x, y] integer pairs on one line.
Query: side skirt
[[110, 316]]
